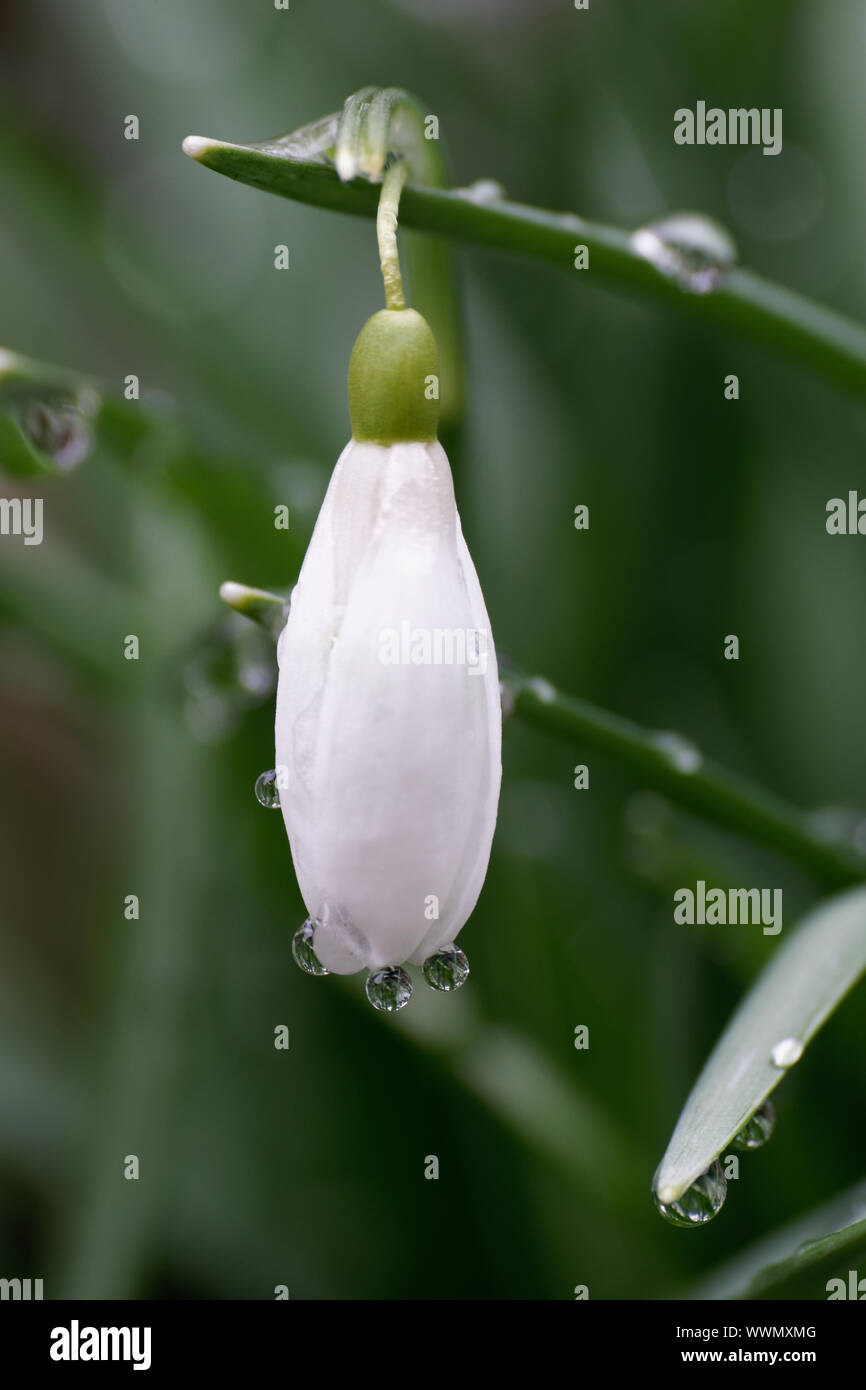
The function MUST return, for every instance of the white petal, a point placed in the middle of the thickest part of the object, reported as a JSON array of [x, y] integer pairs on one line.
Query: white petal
[[393, 770]]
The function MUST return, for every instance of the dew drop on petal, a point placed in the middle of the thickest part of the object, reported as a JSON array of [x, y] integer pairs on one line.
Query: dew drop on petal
[[700, 1202], [688, 248], [680, 753], [389, 989], [506, 699], [267, 791], [446, 970], [303, 952], [787, 1052], [757, 1129]]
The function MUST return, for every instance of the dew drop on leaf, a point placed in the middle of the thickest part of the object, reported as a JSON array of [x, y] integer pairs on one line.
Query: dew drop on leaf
[[757, 1129], [682, 755], [787, 1052], [700, 1202], [688, 248]]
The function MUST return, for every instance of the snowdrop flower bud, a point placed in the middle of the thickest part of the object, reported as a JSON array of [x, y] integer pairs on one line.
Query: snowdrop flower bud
[[388, 725]]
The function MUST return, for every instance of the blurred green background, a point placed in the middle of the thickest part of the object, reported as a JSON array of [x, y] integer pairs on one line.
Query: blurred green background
[[155, 1037]]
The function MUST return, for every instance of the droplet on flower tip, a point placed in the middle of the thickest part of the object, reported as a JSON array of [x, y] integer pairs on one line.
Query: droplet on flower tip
[[688, 248], [389, 989], [700, 1202], [787, 1052], [506, 700], [757, 1129], [447, 969], [303, 949], [267, 790]]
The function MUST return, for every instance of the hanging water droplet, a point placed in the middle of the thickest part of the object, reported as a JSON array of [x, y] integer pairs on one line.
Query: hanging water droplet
[[757, 1129], [60, 428], [787, 1052], [700, 1202], [303, 949], [446, 970], [688, 248], [680, 753], [389, 989], [506, 700], [267, 790]]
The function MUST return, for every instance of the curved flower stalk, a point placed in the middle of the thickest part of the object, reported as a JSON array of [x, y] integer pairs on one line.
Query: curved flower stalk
[[388, 726]]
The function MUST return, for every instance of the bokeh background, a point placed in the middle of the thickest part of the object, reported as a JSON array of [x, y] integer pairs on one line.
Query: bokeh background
[[155, 1037]]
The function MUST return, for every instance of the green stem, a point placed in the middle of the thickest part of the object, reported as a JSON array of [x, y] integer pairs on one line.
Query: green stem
[[386, 232], [673, 767], [754, 307]]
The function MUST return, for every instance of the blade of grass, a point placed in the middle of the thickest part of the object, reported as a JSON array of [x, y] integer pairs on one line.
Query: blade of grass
[[789, 1257], [791, 1000]]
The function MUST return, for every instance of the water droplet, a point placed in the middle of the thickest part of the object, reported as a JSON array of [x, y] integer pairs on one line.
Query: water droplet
[[267, 791], [303, 952], [483, 191], [757, 1129], [446, 970], [688, 248], [389, 989], [787, 1052], [542, 689], [506, 700], [680, 753], [230, 671], [700, 1202], [61, 432]]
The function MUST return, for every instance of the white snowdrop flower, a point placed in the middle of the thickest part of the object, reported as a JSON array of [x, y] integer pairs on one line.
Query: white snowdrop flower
[[388, 725]]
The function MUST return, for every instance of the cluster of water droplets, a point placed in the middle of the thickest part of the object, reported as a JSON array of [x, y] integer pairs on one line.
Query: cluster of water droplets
[[688, 248], [705, 1197], [389, 988]]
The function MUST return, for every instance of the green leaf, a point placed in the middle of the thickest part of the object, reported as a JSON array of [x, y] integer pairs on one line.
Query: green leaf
[[793, 997], [300, 166], [797, 1260]]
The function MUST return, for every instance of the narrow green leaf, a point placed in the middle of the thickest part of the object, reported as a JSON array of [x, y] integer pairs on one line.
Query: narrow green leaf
[[807, 1272], [789, 1262], [786, 322], [783, 1011]]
